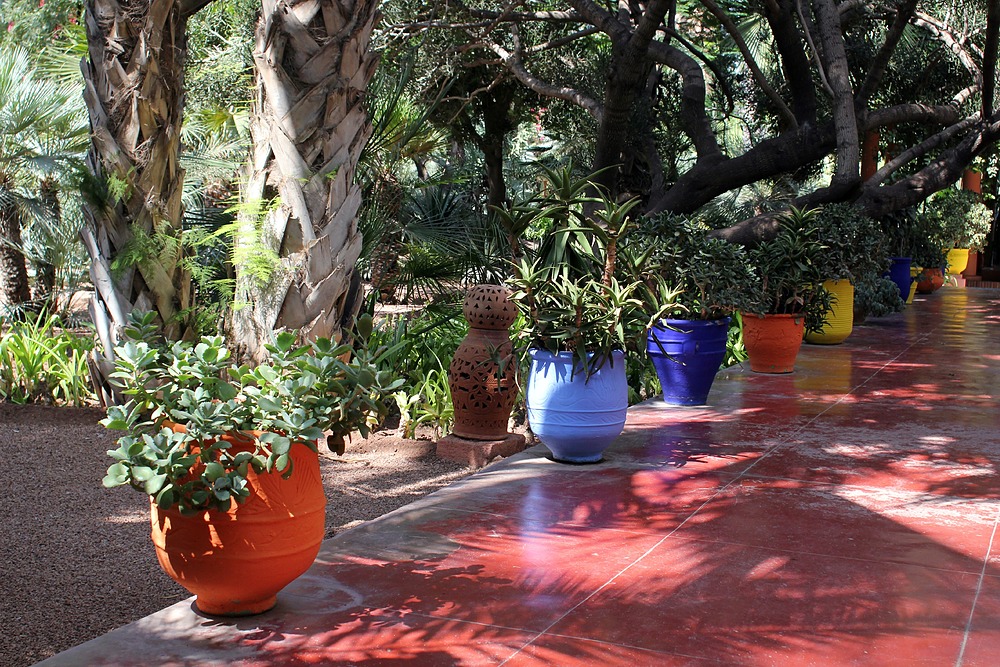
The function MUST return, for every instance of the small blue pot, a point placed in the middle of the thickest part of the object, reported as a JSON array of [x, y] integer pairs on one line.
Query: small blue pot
[[686, 356], [575, 417], [899, 273]]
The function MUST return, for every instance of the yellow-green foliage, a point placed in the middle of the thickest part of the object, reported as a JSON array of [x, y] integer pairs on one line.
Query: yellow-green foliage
[[42, 363]]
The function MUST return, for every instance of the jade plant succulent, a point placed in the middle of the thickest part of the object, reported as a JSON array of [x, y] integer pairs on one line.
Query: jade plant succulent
[[184, 397], [707, 275], [855, 247]]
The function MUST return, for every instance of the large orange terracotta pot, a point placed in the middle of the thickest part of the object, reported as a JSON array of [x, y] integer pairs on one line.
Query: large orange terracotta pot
[[235, 562], [773, 341]]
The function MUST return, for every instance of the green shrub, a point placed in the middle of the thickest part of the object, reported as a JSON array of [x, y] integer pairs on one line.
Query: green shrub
[[41, 362]]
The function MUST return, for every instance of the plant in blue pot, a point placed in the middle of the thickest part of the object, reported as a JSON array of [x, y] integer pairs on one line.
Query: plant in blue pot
[[691, 284], [579, 318], [898, 227]]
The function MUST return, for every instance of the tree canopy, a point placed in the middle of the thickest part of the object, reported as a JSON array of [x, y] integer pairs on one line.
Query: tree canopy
[[688, 100]]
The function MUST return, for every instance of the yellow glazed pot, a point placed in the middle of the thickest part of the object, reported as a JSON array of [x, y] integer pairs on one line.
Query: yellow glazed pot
[[840, 320], [914, 272], [958, 260]]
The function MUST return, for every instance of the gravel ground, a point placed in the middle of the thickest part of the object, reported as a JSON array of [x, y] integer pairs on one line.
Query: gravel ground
[[76, 558]]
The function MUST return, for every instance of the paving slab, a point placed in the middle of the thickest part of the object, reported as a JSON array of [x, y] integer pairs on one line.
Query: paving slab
[[844, 514]]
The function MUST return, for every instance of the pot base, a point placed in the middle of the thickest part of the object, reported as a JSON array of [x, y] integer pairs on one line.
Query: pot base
[[235, 607], [581, 460]]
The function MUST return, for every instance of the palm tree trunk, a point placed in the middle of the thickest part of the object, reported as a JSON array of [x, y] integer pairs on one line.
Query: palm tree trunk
[[313, 65], [45, 271], [134, 92], [14, 290]]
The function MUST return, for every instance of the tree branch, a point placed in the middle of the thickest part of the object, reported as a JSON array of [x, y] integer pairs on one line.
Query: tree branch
[[925, 146], [188, 8], [694, 116], [720, 77], [649, 23], [518, 17], [945, 114], [943, 33], [936, 176], [814, 49], [794, 62], [990, 56], [512, 60], [603, 19], [562, 41], [838, 72], [758, 76]]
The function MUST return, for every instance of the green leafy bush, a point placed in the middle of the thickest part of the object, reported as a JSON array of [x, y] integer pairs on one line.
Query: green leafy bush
[[417, 348], [788, 271], [706, 275], [855, 245], [876, 296], [963, 220], [41, 362], [303, 394]]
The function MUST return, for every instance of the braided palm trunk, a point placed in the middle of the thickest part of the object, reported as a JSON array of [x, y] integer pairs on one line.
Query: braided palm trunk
[[310, 125], [134, 80]]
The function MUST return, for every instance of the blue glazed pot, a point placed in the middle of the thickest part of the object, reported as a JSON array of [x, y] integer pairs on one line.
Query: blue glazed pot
[[687, 356], [899, 273], [575, 417]]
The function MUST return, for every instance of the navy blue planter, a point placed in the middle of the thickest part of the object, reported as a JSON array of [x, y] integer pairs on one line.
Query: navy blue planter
[[576, 418], [687, 356], [899, 273]]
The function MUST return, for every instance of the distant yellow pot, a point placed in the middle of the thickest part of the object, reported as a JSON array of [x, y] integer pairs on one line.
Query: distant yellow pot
[[840, 320], [958, 260], [914, 272]]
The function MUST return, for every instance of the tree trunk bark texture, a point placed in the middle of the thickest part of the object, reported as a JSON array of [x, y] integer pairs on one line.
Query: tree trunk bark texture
[[134, 82], [309, 128], [13, 271], [45, 272]]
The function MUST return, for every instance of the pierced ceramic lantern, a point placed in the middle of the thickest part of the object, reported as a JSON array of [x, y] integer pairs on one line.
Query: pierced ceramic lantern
[[483, 373]]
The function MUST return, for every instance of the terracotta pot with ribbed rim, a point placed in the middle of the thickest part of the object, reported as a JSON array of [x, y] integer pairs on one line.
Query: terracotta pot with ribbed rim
[[773, 341], [839, 322], [235, 562]]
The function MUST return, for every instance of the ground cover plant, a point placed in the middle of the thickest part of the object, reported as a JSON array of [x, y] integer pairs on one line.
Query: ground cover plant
[[42, 362]]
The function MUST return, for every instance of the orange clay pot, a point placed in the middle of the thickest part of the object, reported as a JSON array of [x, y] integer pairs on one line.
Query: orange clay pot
[[235, 562], [773, 341], [930, 280]]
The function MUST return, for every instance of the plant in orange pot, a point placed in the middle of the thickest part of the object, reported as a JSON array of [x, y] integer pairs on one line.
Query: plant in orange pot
[[787, 295], [228, 455]]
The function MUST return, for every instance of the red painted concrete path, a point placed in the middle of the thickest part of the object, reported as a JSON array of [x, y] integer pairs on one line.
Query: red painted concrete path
[[845, 514]]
